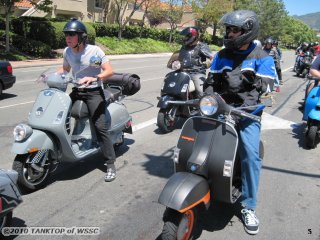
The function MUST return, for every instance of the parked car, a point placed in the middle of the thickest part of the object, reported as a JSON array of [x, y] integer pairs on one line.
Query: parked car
[[7, 79]]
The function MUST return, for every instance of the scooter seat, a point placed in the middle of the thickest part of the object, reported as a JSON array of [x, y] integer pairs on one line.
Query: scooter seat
[[79, 110], [112, 94]]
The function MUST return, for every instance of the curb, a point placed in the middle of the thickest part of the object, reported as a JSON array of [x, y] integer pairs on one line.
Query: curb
[[58, 61]]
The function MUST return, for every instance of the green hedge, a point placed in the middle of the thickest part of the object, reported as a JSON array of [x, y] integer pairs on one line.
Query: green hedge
[[31, 47]]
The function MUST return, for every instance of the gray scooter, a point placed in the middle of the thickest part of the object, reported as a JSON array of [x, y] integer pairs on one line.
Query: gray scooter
[[49, 137]]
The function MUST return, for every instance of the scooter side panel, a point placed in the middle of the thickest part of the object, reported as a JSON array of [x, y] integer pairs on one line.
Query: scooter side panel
[[38, 139], [311, 102], [183, 190]]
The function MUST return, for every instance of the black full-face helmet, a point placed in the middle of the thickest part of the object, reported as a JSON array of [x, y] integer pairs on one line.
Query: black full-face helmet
[[190, 35], [247, 21], [268, 40], [78, 27]]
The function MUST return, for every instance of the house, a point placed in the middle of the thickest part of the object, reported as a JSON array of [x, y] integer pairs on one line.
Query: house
[[84, 10]]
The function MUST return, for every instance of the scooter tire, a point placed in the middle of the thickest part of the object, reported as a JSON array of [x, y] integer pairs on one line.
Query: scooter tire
[[5, 221], [311, 137], [19, 165], [165, 125], [178, 226]]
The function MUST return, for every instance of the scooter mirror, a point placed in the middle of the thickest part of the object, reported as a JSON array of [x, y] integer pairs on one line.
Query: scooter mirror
[[95, 61]]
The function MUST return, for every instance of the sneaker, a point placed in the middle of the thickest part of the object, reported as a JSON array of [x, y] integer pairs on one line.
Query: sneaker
[[250, 221], [111, 174]]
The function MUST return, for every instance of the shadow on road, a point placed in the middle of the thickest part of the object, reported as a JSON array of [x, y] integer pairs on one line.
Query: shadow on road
[[7, 96], [160, 166]]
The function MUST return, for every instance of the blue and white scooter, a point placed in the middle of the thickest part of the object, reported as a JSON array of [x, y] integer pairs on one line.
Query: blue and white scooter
[[312, 113]]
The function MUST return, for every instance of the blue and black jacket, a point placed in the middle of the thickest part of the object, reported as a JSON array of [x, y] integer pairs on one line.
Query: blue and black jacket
[[240, 77]]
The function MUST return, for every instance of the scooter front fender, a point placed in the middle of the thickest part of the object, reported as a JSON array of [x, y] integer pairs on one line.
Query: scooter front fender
[[184, 191], [314, 115], [163, 101], [38, 139]]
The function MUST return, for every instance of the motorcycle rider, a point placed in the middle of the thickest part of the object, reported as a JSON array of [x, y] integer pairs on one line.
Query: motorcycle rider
[[241, 72], [315, 72], [272, 51], [199, 53], [301, 49], [77, 54]]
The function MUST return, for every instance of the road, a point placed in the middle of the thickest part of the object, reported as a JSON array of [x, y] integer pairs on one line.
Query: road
[[127, 209]]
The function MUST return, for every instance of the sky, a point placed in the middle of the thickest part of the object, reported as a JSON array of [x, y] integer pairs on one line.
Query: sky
[[302, 7]]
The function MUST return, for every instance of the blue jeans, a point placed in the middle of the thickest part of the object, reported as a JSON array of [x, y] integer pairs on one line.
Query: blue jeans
[[249, 141]]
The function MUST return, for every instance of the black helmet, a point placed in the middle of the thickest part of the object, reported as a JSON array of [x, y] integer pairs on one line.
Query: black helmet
[[191, 34], [244, 19], [275, 42], [75, 26], [269, 40]]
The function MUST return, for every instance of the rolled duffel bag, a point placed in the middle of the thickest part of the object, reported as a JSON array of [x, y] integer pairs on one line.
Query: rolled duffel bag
[[130, 83]]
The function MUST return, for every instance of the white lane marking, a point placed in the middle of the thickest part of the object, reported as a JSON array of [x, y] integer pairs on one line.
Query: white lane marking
[[287, 69], [269, 122], [18, 104], [143, 125]]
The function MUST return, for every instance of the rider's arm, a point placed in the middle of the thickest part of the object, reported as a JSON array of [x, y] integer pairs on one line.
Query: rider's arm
[[315, 67]]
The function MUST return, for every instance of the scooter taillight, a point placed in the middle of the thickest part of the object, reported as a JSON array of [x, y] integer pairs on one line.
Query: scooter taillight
[[129, 124]]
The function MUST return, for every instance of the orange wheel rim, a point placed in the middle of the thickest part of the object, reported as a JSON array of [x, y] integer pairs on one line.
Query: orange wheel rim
[[190, 222]]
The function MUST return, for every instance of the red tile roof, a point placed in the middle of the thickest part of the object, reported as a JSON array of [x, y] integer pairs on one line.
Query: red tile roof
[[23, 4]]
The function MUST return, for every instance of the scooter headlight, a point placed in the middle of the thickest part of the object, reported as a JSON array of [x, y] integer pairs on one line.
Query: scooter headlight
[[208, 105], [21, 132], [176, 65]]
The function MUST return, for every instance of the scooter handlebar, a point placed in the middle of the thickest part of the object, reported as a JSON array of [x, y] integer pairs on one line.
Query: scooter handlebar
[[241, 113], [313, 78]]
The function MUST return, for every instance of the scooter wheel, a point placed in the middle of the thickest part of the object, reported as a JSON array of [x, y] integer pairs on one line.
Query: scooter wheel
[[311, 137], [5, 221], [165, 122], [178, 226], [29, 178]]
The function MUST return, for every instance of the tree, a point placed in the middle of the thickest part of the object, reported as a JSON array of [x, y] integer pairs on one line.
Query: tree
[[121, 7], [209, 12], [8, 6], [172, 13], [269, 26]]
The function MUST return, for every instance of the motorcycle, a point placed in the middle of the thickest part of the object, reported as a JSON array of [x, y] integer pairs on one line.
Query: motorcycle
[[177, 88], [10, 196], [304, 63], [311, 113], [207, 166], [50, 137]]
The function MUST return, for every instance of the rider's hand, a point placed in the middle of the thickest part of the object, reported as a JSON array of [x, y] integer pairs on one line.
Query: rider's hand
[[87, 80]]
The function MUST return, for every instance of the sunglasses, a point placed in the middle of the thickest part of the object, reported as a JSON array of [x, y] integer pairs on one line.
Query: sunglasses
[[71, 34], [233, 29]]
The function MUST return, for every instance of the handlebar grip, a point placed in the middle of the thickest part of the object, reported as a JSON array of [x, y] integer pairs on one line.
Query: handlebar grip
[[246, 114]]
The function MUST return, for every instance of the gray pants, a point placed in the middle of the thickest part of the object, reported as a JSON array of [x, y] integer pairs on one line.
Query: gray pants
[[198, 80]]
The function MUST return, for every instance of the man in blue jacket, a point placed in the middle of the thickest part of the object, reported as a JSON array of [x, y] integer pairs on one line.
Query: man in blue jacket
[[240, 73]]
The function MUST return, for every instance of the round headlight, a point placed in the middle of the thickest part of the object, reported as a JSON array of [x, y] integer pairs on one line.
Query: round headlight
[[208, 105], [21, 132], [176, 65]]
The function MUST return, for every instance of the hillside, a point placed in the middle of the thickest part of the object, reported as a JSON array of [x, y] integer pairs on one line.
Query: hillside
[[311, 19]]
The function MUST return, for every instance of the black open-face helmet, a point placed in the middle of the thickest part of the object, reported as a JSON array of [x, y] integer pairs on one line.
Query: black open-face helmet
[[190, 35], [247, 21], [76, 26]]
